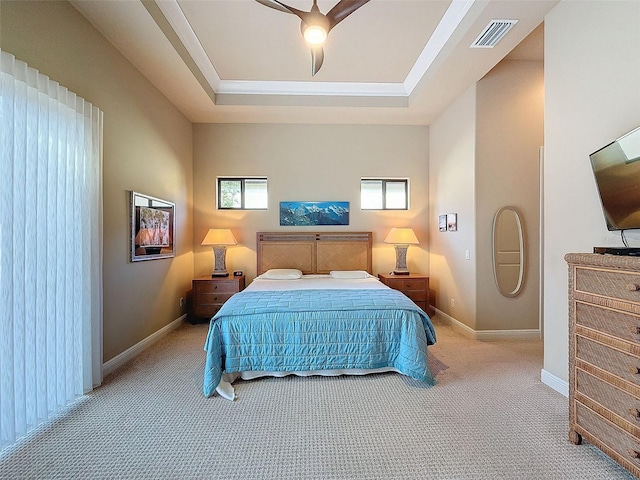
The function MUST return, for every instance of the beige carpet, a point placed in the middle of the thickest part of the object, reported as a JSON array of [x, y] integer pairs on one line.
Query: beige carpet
[[489, 417]]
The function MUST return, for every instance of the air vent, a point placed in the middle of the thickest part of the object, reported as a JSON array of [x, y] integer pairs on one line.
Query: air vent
[[493, 33]]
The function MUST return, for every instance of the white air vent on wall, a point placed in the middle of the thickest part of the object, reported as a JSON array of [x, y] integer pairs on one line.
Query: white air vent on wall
[[493, 33]]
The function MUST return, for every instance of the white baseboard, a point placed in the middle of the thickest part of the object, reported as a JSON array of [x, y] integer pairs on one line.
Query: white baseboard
[[111, 365], [493, 335], [489, 335], [456, 325], [554, 382]]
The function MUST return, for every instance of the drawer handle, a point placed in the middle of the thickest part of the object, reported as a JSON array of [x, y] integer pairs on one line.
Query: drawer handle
[[635, 413], [634, 370], [636, 330], [634, 453], [633, 287]]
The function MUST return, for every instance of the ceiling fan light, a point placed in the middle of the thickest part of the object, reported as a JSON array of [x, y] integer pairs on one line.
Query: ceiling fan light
[[315, 34]]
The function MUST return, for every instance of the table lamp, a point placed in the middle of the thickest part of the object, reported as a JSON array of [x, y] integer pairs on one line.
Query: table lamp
[[401, 239], [219, 238]]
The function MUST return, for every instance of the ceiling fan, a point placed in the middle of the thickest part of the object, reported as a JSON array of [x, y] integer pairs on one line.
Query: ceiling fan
[[315, 26]]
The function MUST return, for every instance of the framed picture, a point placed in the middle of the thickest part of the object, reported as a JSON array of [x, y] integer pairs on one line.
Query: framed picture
[[298, 214], [452, 222], [442, 223], [152, 223]]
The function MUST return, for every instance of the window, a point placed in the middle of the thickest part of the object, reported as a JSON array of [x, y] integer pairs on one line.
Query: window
[[384, 194], [248, 193]]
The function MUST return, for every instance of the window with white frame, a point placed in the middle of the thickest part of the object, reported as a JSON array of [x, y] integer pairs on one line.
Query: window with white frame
[[384, 193], [242, 193]]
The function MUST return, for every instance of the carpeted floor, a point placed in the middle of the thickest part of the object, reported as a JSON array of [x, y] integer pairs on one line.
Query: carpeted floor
[[489, 417]]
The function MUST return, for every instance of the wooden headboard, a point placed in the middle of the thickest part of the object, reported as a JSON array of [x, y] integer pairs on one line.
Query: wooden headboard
[[313, 252]]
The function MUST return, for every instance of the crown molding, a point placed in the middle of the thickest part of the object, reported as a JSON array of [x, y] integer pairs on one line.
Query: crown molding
[[246, 92]]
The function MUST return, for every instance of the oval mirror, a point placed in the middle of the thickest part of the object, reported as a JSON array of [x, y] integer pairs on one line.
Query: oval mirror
[[508, 251]]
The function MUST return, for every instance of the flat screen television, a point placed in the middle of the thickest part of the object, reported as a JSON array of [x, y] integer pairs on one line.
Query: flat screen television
[[616, 168]]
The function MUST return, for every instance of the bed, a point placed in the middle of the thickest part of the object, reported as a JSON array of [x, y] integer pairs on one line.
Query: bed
[[315, 309]]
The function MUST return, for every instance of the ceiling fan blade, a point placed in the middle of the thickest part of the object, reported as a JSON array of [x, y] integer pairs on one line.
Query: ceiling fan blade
[[342, 10], [317, 57], [277, 5]]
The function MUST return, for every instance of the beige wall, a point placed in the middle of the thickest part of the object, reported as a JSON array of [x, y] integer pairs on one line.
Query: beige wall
[[309, 163], [509, 134], [591, 97], [147, 148], [452, 140], [484, 156]]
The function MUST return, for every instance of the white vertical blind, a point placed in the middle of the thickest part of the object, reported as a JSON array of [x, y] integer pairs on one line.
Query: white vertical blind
[[50, 247]]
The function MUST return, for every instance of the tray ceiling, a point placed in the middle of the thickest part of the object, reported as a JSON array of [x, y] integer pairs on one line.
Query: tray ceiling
[[389, 62]]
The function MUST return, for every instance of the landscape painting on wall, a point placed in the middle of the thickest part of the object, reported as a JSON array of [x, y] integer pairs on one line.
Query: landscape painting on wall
[[298, 214]]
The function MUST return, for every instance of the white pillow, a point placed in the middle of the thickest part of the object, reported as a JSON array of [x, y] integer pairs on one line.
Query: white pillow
[[349, 274], [282, 274]]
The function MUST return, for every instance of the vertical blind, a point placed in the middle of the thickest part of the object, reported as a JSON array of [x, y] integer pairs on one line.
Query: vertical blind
[[50, 248]]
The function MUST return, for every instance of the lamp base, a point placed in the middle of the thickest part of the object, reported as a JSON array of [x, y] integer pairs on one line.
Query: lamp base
[[219, 263], [401, 272], [401, 260]]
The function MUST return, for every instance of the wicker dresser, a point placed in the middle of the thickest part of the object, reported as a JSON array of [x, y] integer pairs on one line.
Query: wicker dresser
[[604, 355]]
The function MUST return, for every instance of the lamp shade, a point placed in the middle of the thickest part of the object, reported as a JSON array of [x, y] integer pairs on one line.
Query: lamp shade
[[401, 236], [219, 236]]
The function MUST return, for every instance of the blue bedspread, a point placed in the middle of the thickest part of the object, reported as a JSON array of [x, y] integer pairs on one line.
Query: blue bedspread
[[304, 330]]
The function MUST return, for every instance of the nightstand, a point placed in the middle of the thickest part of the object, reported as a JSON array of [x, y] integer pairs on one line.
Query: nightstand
[[414, 286], [209, 293]]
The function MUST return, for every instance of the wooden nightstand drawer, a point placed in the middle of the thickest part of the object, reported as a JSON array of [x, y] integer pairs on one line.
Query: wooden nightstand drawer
[[206, 311], [220, 286], [210, 293], [414, 286], [408, 284], [416, 295], [213, 298]]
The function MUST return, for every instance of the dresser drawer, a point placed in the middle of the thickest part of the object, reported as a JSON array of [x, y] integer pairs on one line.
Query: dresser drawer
[[620, 364], [604, 355], [622, 325], [621, 403], [215, 287], [617, 443], [608, 283]]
